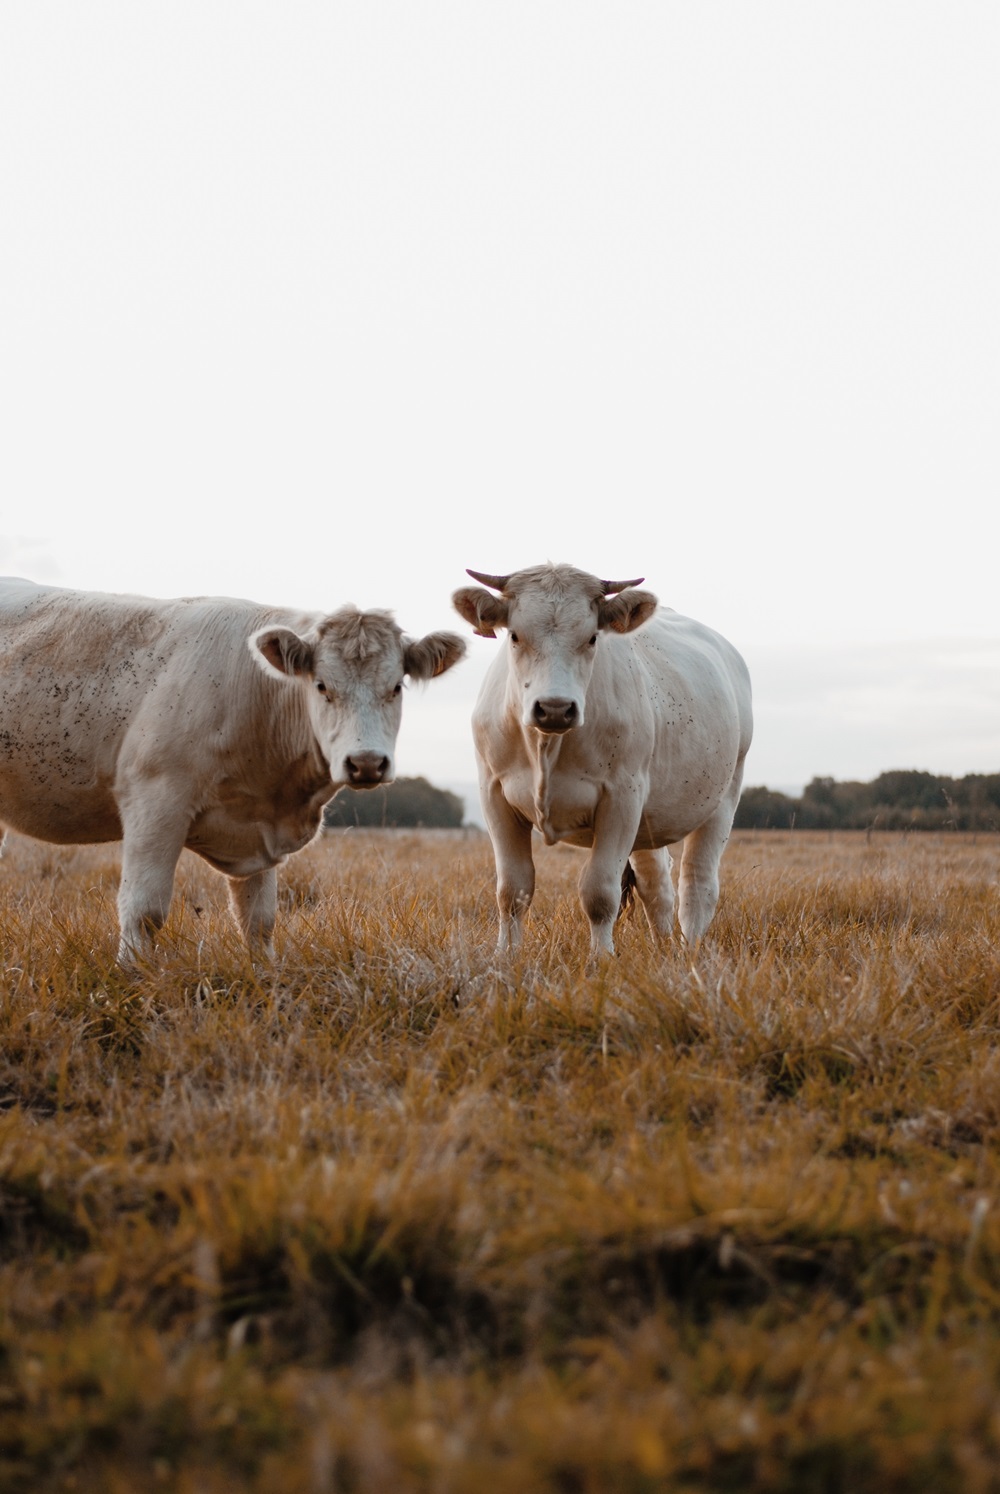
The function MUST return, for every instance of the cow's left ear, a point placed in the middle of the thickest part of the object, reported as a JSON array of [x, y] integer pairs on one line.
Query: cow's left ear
[[282, 652], [627, 611], [423, 658]]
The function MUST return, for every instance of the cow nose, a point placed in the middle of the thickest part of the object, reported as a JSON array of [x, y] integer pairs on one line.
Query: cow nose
[[365, 769], [555, 714]]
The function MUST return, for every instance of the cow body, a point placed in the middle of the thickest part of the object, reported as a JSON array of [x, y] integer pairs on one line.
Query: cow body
[[211, 723], [612, 724]]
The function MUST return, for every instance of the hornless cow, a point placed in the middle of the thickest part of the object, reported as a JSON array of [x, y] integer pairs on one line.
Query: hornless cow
[[205, 722], [613, 724]]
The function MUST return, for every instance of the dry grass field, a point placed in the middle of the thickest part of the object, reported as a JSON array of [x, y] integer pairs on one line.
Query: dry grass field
[[393, 1218]]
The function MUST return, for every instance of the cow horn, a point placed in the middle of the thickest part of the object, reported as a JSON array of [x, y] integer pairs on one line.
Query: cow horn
[[609, 587], [497, 583]]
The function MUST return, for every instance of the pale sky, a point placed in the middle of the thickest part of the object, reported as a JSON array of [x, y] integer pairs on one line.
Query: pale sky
[[318, 303]]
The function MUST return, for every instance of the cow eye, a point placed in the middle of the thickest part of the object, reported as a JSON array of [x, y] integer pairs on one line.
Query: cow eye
[[398, 689], [321, 687], [514, 638], [593, 641]]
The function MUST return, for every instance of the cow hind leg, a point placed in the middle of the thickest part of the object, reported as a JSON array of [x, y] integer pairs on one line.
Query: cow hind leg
[[655, 885], [699, 877], [254, 902]]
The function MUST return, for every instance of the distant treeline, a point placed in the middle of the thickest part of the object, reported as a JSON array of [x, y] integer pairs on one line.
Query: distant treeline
[[900, 800], [903, 799], [407, 803]]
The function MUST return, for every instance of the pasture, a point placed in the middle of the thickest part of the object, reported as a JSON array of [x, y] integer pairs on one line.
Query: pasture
[[394, 1218]]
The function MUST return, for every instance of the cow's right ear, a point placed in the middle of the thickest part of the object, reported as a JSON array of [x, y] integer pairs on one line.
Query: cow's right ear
[[482, 609], [280, 651]]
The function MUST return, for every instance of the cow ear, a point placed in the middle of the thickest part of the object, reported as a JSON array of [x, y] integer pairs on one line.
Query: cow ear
[[480, 608], [424, 658], [628, 610], [281, 651]]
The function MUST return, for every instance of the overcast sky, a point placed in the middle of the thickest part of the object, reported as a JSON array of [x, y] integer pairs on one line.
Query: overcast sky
[[326, 302]]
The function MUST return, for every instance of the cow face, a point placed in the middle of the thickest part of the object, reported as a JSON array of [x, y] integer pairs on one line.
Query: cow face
[[554, 616], [351, 670]]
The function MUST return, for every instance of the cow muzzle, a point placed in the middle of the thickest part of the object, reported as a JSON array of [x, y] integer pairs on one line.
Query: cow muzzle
[[366, 769], [555, 714]]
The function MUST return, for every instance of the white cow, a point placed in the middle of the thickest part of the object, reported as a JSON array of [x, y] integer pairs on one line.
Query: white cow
[[206, 722], [613, 724]]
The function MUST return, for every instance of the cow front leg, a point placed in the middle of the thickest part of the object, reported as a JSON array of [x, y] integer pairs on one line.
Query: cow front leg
[[511, 837], [153, 833], [254, 903], [615, 825]]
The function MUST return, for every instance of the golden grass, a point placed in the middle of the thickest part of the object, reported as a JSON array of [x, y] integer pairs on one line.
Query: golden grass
[[392, 1217]]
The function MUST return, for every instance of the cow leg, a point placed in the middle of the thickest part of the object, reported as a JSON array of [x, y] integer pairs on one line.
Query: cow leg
[[511, 837], [615, 827], [153, 835], [254, 902], [655, 885], [699, 878]]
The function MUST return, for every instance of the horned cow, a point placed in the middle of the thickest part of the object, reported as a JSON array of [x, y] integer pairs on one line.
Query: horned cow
[[609, 723]]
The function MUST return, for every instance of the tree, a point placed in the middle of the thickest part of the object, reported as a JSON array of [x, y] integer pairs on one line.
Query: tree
[[901, 799], [407, 803], [764, 809]]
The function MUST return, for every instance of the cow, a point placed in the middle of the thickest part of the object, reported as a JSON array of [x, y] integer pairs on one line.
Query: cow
[[217, 724], [613, 724]]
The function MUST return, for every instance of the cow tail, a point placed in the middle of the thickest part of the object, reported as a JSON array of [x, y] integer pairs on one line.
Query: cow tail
[[628, 890]]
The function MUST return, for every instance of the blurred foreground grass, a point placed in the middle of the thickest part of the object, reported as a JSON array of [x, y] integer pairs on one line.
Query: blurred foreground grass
[[392, 1217]]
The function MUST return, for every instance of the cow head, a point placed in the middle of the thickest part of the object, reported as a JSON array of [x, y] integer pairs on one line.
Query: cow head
[[351, 669], [554, 616]]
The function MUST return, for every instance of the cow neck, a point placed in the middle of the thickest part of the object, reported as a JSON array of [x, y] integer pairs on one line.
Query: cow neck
[[546, 757], [300, 759]]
